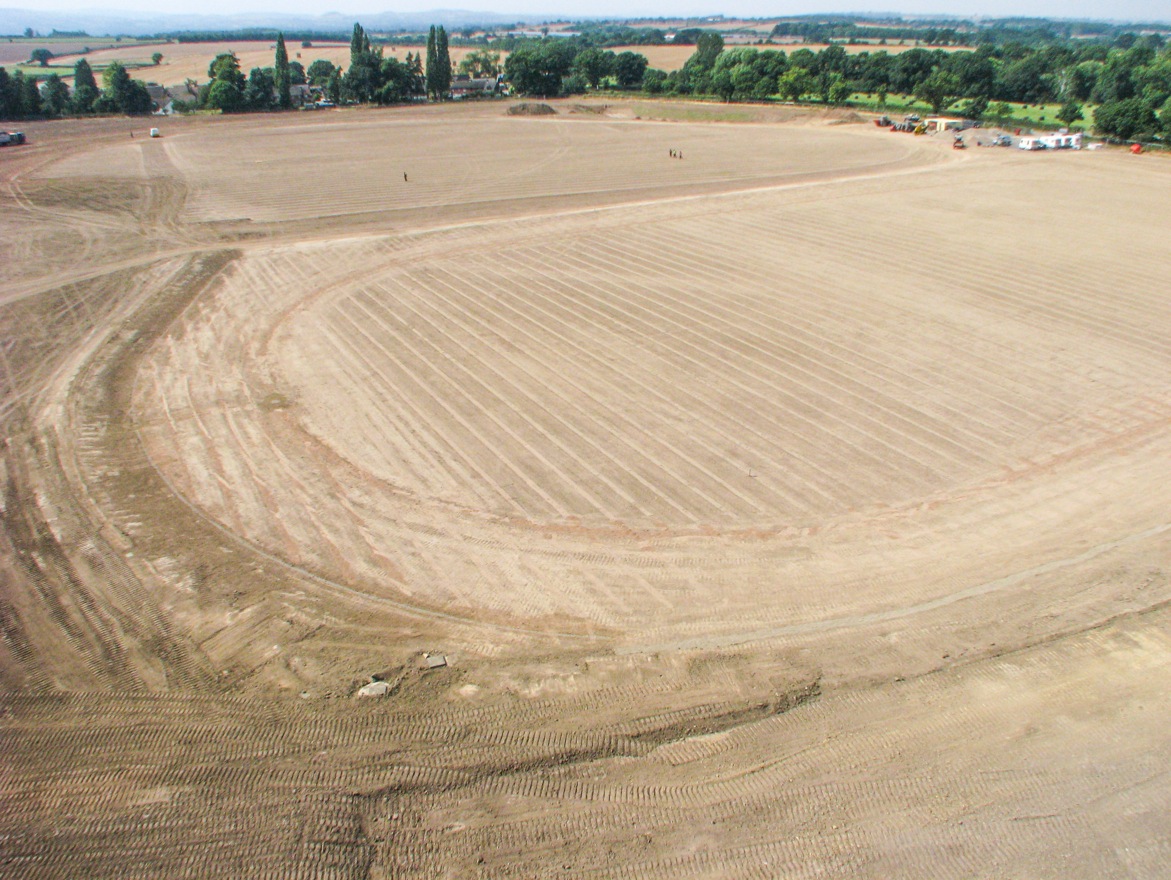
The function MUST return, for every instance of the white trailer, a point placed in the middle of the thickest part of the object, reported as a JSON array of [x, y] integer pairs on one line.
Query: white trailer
[[1062, 141]]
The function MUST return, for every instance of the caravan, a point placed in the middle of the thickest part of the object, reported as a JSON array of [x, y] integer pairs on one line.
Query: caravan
[[1063, 140]]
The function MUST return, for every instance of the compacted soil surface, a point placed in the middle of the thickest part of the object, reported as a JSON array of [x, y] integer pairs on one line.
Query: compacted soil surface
[[709, 492]]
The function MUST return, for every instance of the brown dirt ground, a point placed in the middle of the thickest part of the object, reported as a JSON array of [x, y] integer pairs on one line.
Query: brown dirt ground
[[794, 508]]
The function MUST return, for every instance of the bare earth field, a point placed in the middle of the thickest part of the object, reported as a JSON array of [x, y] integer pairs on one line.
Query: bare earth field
[[184, 61], [671, 57], [797, 508]]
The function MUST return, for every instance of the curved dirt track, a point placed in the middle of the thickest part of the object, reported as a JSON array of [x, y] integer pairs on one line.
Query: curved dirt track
[[793, 508]]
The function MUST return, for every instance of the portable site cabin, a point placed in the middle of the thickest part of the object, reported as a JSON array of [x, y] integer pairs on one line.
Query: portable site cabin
[[948, 123], [1062, 141], [1031, 143]]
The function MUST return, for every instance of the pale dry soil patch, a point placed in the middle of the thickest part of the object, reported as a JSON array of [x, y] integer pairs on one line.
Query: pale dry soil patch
[[793, 508]]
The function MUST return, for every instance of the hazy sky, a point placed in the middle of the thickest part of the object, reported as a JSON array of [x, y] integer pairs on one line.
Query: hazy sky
[[1132, 10]]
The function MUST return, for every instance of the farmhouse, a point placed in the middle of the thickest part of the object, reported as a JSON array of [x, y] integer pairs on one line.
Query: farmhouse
[[483, 87], [300, 95], [161, 101]]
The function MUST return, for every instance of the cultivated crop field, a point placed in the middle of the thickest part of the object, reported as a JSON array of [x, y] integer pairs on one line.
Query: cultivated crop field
[[796, 507], [670, 57], [189, 61]]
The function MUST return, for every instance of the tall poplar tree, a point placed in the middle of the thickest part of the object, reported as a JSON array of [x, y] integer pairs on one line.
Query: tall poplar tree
[[9, 99], [85, 88], [364, 78], [442, 63], [281, 74], [30, 95], [56, 96], [418, 77], [432, 64], [359, 44]]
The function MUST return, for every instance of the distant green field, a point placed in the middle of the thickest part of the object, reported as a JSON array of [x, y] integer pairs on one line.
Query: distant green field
[[14, 51]]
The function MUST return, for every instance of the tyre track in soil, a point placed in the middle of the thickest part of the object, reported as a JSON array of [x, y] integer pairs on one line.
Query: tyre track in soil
[[454, 313], [253, 750], [122, 445], [614, 355], [756, 804], [65, 550], [496, 389], [358, 598], [681, 346], [320, 828], [658, 809], [822, 378], [39, 608], [105, 830], [272, 234], [598, 307]]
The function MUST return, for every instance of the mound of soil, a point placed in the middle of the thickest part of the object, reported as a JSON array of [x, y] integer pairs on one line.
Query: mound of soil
[[529, 109], [848, 118]]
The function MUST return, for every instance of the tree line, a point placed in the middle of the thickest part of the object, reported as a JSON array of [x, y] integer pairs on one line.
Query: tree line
[[371, 78], [552, 67], [1129, 79], [1034, 32], [24, 97]]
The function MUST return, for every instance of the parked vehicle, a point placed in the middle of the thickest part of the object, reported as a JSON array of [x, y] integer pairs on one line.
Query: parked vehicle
[[1063, 140], [11, 138]]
